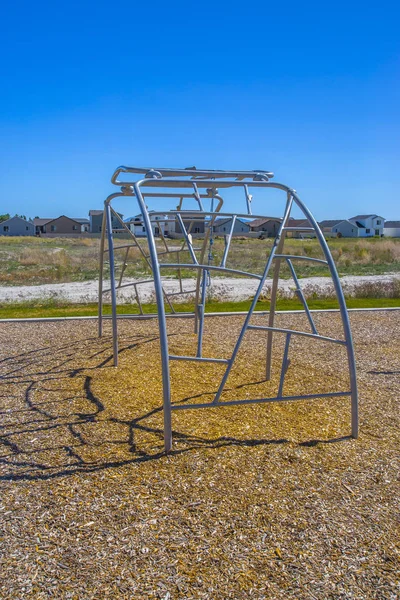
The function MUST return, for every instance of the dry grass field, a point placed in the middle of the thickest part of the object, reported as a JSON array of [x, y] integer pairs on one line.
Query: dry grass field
[[266, 501], [32, 261]]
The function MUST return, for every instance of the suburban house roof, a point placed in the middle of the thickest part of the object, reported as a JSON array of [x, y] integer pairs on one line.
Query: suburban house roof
[[357, 217], [392, 224], [219, 222], [41, 221], [299, 223], [13, 219], [330, 222], [258, 222], [81, 221], [93, 213]]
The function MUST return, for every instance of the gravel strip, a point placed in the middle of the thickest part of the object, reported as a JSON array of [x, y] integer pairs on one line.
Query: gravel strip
[[222, 288], [264, 501]]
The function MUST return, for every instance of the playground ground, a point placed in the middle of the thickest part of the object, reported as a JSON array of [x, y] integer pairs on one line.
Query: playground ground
[[271, 501]]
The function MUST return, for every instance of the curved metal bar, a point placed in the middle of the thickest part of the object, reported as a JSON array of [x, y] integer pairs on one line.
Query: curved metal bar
[[296, 256], [101, 266], [207, 268], [191, 172], [343, 312], [162, 325]]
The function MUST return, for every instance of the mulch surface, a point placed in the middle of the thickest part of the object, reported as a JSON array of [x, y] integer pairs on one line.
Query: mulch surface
[[262, 501]]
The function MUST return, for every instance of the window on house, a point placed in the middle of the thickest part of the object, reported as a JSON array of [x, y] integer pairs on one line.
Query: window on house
[[74, 228], [224, 229], [53, 228], [378, 222], [367, 231], [196, 230], [27, 228], [100, 228], [143, 228], [335, 230], [6, 228]]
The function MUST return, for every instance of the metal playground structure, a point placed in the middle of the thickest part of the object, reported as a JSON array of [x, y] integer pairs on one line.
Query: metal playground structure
[[204, 188]]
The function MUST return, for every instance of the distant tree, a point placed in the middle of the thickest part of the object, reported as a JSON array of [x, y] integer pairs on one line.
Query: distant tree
[[4, 217], [21, 216]]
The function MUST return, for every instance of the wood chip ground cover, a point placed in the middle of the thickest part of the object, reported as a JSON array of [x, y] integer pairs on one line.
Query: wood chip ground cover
[[262, 501]]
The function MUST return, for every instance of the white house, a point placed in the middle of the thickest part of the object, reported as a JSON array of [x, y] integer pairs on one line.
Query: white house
[[17, 226], [358, 226], [368, 225], [392, 229], [159, 223]]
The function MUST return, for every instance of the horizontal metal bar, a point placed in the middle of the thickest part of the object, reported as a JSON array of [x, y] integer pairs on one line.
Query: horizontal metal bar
[[207, 268], [187, 213], [133, 283], [295, 256], [304, 333], [182, 292], [198, 359], [190, 315], [125, 246], [258, 401], [298, 229], [193, 173]]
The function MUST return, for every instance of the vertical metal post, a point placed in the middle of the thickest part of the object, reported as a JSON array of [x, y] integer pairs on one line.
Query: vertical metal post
[[101, 274], [228, 242], [201, 309], [285, 364], [248, 199], [162, 324], [112, 282], [272, 306], [255, 299]]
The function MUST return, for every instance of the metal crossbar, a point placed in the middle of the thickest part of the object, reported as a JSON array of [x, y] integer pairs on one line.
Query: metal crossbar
[[155, 183]]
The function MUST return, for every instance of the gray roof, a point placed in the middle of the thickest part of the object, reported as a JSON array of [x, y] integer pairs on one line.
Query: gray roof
[[219, 222], [13, 219], [357, 217], [330, 222], [41, 221], [81, 221], [93, 213], [392, 224]]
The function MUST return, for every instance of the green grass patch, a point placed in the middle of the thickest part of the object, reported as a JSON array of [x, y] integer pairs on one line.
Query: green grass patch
[[53, 309]]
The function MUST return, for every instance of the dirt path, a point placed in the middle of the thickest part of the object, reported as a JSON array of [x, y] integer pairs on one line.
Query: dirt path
[[221, 288]]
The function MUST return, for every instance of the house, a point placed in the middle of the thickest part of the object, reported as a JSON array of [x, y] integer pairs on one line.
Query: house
[[391, 228], [267, 226], [345, 228], [159, 223], [328, 224], [84, 223], [40, 225], [96, 221], [301, 225], [198, 227], [60, 225], [17, 226], [223, 226], [368, 225]]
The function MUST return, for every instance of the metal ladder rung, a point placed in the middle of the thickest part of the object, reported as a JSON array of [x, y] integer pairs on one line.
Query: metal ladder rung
[[198, 359], [125, 246], [298, 229]]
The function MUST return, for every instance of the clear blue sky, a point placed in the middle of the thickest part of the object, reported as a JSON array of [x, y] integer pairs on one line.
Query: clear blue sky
[[309, 90]]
